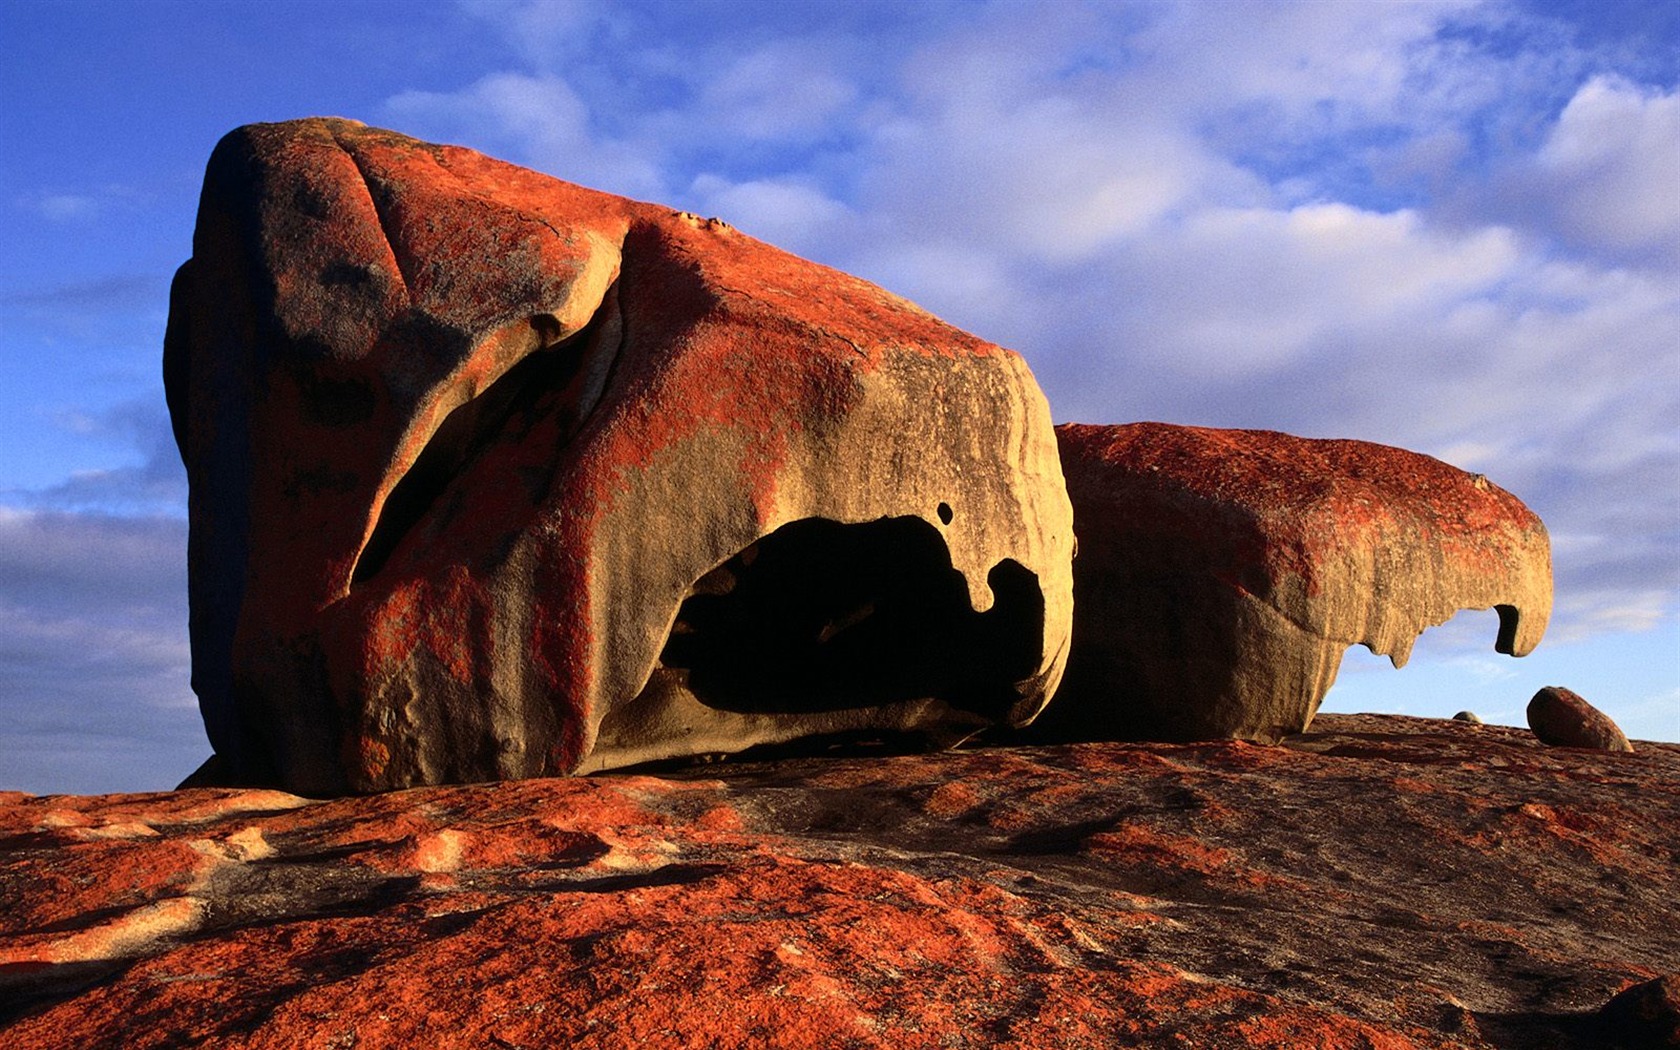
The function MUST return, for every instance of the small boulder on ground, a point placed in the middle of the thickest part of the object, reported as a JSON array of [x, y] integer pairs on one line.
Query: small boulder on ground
[[1468, 716], [1561, 718]]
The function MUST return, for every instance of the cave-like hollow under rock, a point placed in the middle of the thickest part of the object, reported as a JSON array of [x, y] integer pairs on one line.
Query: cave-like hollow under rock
[[859, 630], [494, 476]]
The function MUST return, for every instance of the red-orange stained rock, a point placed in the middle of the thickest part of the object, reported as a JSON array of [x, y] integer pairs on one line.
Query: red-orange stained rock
[[354, 308], [1222, 573], [1381, 882]]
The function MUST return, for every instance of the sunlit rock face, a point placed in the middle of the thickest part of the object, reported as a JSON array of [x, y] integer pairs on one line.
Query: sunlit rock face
[[494, 476], [1223, 573]]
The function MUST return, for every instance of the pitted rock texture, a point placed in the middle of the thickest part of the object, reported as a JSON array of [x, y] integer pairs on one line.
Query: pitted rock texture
[[1561, 717], [1379, 882], [494, 476], [1222, 574]]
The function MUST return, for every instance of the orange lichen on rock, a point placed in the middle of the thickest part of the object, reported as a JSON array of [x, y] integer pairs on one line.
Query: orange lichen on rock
[[1339, 891], [1222, 574], [494, 476]]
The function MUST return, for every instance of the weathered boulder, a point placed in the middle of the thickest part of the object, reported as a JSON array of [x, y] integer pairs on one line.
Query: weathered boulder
[[1381, 882], [495, 476], [1560, 717], [1221, 574]]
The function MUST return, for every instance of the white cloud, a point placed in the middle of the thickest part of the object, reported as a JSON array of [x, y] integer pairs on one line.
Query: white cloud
[[66, 564], [102, 294], [1047, 179], [1484, 669], [790, 213], [542, 28], [152, 665], [1240, 292], [68, 207], [1655, 716], [1584, 612], [990, 142], [94, 658], [154, 482], [781, 90], [1609, 172], [1307, 61], [1183, 212], [536, 120], [80, 206]]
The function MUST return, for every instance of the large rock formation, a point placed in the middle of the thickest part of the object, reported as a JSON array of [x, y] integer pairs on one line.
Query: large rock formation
[[1382, 882], [1222, 574], [495, 476]]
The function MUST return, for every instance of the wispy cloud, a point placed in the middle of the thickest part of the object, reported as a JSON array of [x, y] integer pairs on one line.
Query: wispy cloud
[[68, 564], [1447, 226], [539, 120], [67, 207], [1604, 182], [152, 482], [94, 661], [117, 291], [79, 207]]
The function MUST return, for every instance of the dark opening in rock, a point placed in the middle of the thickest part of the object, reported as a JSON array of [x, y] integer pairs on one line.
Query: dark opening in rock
[[1509, 621], [820, 616]]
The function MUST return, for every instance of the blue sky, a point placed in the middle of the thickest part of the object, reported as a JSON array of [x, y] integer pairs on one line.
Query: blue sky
[[1453, 227]]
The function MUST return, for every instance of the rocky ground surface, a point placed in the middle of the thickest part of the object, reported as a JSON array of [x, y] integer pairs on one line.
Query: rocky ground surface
[[1378, 882]]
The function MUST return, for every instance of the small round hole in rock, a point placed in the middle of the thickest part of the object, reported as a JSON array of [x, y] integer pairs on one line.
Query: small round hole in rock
[[946, 513]]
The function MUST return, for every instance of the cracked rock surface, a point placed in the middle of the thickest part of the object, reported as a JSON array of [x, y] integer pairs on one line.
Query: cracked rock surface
[[1378, 882]]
